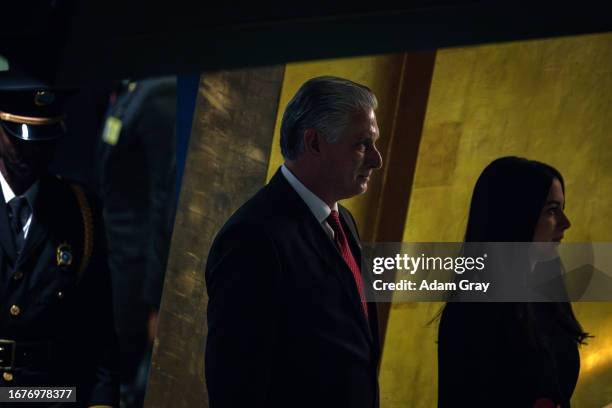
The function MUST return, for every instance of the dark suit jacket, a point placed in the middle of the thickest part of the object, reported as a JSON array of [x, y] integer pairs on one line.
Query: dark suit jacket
[[136, 179], [68, 316], [285, 324]]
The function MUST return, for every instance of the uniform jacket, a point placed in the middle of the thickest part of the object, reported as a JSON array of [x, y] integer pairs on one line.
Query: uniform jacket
[[286, 326], [66, 314]]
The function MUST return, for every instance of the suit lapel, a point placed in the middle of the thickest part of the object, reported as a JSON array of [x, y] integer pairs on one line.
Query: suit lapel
[[355, 244], [6, 235], [324, 247], [40, 221], [36, 235], [329, 254], [349, 225]]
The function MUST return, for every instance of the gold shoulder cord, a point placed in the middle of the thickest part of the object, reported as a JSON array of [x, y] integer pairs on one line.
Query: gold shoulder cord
[[87, 229]]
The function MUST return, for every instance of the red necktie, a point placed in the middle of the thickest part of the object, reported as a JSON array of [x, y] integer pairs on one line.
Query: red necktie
[[545, 403], [341, 242]]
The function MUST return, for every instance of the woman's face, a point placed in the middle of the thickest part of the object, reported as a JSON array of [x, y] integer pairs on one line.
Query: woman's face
[[552, 222]]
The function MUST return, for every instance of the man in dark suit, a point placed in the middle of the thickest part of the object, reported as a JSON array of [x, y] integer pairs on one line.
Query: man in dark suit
[[288, 322], [56, 324]]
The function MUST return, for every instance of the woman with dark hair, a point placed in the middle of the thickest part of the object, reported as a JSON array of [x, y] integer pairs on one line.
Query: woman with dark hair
[[511, 354]]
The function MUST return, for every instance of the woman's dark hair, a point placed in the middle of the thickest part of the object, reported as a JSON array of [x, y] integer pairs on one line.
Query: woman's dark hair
[[506, 205], [507, 200]]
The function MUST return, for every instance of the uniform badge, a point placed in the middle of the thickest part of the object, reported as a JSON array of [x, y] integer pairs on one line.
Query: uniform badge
[[64, 254], [44, 98]]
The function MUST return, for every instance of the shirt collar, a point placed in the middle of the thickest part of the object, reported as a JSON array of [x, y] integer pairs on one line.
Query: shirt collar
[[8, 193], [317, 206]]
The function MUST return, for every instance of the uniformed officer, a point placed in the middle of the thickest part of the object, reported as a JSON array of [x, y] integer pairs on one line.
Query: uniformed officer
[[56, 327]]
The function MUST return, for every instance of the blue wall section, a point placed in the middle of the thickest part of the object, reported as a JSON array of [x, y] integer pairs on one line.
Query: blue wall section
[[187, 92]]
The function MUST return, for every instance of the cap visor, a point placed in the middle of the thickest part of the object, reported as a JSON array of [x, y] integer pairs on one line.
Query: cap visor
[[34, 132]]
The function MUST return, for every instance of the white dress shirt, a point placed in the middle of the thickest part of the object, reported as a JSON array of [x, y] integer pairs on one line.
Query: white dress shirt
[[317, 206], [8, 193]]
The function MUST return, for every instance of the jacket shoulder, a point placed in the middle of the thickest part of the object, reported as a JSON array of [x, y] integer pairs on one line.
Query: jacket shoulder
[[254, 215]]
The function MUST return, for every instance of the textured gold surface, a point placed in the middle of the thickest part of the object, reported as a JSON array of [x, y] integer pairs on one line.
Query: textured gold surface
[[549, 100], [226, 164]]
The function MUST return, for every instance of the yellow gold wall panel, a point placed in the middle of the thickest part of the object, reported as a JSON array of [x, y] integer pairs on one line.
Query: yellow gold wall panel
[[549, 100]]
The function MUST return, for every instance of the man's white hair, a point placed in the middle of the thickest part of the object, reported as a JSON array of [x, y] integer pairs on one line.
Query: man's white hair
[[325, 104]]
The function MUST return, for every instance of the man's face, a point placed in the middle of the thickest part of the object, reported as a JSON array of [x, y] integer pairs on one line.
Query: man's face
[[25, 159], [349, 162]]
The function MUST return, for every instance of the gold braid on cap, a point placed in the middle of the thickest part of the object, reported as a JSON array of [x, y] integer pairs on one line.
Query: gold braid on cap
[[28, 120], [87, 229]]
